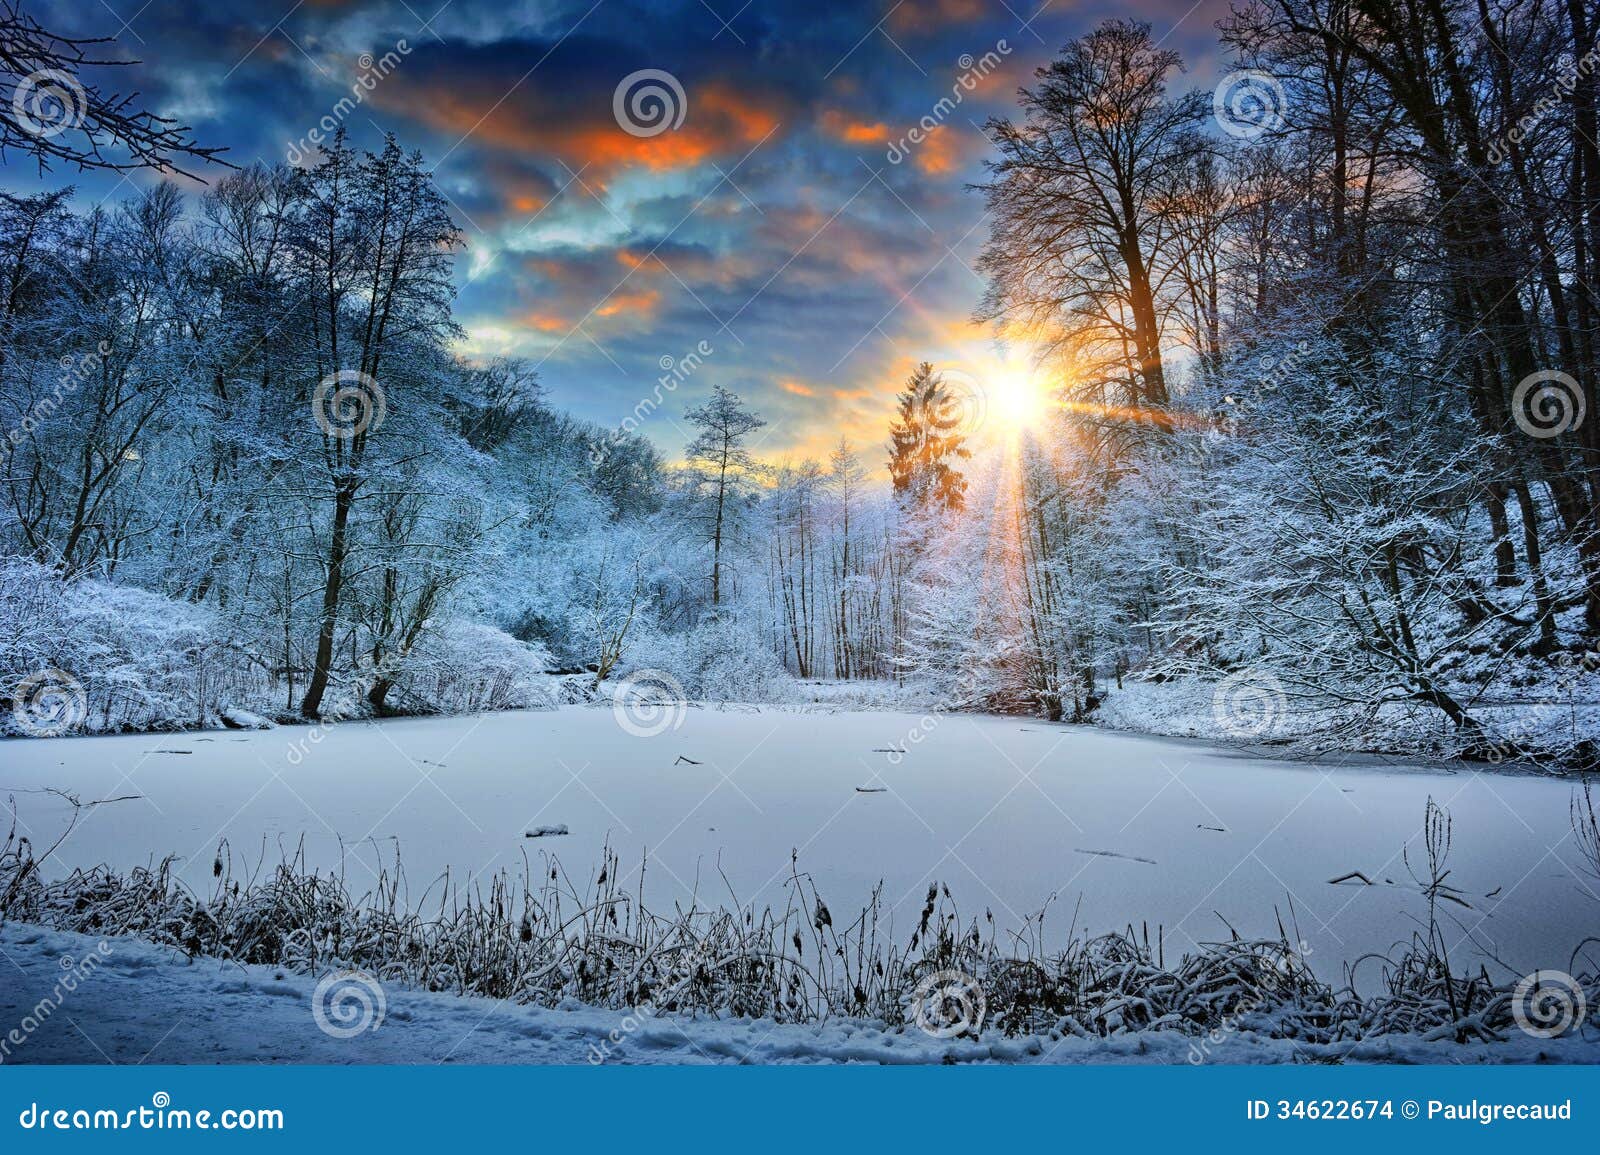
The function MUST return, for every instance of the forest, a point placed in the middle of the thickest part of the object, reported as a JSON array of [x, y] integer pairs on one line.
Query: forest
[[1311, 465]]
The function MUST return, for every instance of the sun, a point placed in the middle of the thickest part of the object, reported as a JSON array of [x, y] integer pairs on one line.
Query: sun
[[1018, 400]]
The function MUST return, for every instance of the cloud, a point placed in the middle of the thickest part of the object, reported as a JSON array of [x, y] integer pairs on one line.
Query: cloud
[[519, 98], [933, 15], [842, 126], [942, 152]]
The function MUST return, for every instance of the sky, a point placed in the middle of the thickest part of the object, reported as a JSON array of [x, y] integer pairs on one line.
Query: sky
[[778, 214]]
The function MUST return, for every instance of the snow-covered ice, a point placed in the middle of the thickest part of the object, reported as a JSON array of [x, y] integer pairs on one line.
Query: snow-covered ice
[[1007, 811]]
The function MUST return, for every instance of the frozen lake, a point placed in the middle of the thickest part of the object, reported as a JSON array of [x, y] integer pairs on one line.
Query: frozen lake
[[1006, 811]]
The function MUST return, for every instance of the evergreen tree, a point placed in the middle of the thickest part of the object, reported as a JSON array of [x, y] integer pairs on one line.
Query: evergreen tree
[[924, 440]]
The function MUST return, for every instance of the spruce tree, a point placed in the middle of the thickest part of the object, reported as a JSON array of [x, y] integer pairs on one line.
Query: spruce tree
[[924, 441]]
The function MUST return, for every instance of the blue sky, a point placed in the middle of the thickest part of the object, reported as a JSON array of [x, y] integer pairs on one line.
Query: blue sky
[[774, 222]]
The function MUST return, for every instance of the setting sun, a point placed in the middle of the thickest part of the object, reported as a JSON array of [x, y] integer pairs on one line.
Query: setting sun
[[1017, 399]]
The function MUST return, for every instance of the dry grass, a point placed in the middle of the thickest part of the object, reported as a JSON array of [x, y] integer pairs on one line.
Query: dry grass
[[541, 936]]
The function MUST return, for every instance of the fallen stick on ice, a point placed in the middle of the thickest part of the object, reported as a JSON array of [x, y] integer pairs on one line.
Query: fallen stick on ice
[[547, 831], [1347, 877], [1115, 854]]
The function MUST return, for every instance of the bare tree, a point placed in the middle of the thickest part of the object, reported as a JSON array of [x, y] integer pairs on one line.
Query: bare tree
[[719, 448], [50, 111], [1084, 202]]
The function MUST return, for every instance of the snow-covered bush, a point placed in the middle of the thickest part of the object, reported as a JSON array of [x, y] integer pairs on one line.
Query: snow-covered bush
[[460, 666], [110, 657], [718, 661], [94, 656]]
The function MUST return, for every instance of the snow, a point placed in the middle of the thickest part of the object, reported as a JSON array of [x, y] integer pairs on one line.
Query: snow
[[140, 1003], [234, 718], [1009, 812]]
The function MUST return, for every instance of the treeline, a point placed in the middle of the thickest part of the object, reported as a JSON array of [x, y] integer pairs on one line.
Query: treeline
[[1326, 340], [248, 406], [243, 468], [1322, 343]]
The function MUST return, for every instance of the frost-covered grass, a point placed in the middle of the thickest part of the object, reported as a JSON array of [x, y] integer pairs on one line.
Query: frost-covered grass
[[145, 1003], [1007, 812], [729, 868], [547, 940]]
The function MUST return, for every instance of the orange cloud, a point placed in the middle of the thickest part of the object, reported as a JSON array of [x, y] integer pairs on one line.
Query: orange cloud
[[939, 154], [841, 125], [928, 15], [798, 389], [719, 122], [546, 323], [643, 301]]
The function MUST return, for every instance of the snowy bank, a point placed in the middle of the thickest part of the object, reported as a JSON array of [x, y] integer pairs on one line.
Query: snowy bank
[[145, 1003]]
